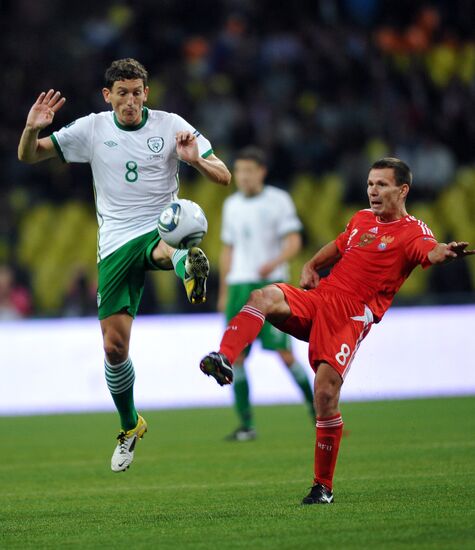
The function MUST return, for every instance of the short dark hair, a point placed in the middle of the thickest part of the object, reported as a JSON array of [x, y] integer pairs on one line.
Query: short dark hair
[[251, 152], [402, 172], [125, 69]]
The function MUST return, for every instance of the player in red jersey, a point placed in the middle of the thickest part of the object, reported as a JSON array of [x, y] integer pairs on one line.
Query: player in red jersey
[[371, 259]]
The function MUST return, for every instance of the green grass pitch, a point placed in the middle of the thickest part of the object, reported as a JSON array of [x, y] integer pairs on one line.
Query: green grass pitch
[[405, 479]]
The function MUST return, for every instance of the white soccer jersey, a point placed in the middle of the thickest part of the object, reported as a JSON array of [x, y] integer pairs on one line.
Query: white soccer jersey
[[134, 169], [254, 227]]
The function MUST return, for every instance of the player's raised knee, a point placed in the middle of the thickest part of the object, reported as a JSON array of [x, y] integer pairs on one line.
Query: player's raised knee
[[262, 299], [256, 298]]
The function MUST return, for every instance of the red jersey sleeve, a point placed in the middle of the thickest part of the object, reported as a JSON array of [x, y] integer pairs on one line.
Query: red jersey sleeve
[[421, 242], [343, 239]]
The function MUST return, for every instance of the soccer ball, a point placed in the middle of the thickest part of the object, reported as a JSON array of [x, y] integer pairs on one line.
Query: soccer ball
[[182, 224]]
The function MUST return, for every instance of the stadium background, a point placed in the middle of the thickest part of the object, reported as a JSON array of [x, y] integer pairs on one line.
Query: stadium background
[[324, 88]]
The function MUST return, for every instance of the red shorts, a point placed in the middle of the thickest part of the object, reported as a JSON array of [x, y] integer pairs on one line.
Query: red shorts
[[334, 324]]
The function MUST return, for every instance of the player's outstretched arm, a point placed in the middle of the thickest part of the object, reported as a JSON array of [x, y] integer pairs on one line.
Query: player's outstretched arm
[[211, 167], [443, 253], [327, 256], [31, 149]]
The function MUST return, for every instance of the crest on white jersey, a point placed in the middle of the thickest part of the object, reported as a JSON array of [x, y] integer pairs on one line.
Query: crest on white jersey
[[155, 144]]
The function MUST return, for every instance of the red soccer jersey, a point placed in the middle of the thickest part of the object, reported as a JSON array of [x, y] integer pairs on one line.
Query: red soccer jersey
[[377, 257]]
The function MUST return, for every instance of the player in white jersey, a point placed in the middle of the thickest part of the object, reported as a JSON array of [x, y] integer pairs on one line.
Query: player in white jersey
[[134, 153], [260, 234]]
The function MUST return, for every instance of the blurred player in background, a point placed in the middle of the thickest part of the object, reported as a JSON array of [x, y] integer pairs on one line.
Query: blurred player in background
[[371, 259], [260, 234], [134, 153]]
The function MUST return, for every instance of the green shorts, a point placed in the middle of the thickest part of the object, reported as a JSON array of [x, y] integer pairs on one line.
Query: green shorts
[[271, 338], [121, 276]]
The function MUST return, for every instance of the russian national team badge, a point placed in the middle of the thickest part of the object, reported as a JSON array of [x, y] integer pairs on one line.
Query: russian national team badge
[[385, 240], [366, 238], [155, 144]]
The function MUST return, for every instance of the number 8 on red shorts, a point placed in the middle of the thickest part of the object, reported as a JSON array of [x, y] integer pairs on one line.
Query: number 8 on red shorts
[[332, 322]]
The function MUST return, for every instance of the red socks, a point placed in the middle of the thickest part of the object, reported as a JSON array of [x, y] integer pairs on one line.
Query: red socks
[[329, 432], [241, 331]]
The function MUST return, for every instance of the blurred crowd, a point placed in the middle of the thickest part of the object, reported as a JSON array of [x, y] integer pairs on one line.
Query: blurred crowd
[[322, 86]]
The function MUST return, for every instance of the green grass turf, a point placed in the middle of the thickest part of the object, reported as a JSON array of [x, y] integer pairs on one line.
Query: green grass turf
[[405, 479]]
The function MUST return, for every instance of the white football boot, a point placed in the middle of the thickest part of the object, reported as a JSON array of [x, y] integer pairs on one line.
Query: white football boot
[[124, 452]]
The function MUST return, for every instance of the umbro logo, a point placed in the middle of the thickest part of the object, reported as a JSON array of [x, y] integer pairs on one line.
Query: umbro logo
[[110, 143]]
